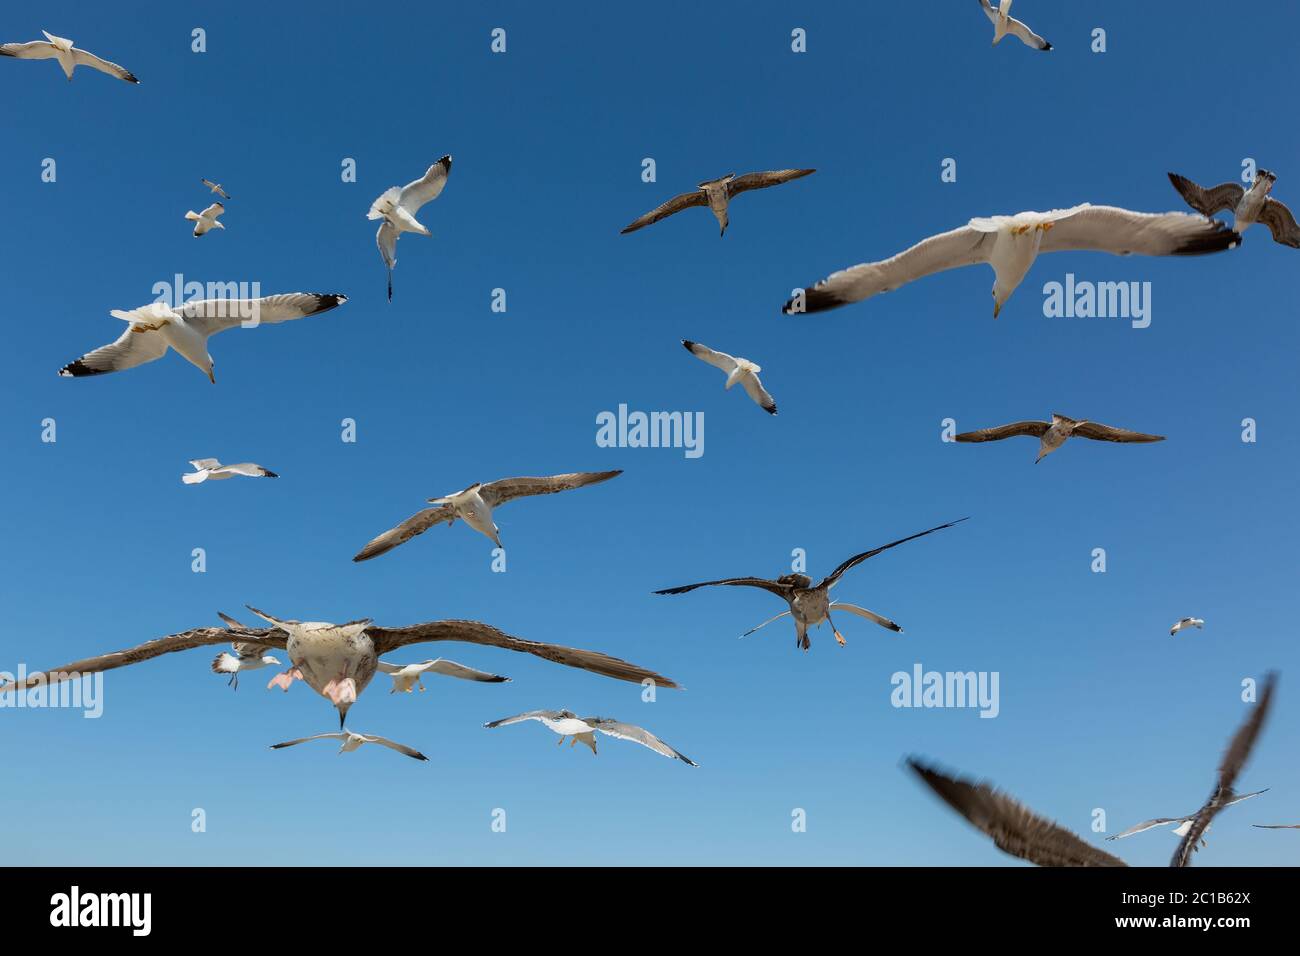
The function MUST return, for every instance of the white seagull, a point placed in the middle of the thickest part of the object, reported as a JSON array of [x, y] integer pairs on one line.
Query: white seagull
[[215, 188], [738, 370], [1052, 435], [717, 195], [1004, 23], [1010, 244], [474, 506], [1248, 206], [353, 741], [211, 469], [406, 677], [69, 56], [1184, 823], [397, 207], [156, 327], [568, 724], [1196, 622], [247, 656], [206, 220]]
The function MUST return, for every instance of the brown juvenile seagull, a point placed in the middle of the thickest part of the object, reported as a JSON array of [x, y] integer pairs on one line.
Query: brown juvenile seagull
[[1013, 827], [716, 194], [1052, 435], [339, 660], [474, 506], [1248, 206], [809, 605]]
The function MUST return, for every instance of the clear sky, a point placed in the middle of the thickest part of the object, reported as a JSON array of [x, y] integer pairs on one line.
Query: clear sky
[[1099, 707]]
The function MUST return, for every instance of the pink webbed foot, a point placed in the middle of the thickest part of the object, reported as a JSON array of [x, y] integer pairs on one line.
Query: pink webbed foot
[[341, 691], [283, 681]]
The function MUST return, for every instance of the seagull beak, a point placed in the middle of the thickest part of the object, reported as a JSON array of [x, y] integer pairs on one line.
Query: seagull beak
[[212, 376]]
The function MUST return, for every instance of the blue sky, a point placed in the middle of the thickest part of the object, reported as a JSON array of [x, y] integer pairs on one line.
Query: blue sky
[[1099, 706]]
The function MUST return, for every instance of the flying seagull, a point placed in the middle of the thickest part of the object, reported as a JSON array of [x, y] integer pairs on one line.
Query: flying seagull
[[206, 220], [1277, 826], [1010, 244], [568, 724], [1230, 767], [474, 506], [397, 207], [738, 370], [206, 469], [1248, 206], [155, 327], [338, 660], [810, 605], [1004, 23], [1196, 622], [69, 56], [1013, 827], [1052, 435], [716, 194], [247, 656], [215, 188], [1184, 823], [353, 741], [406, 677]]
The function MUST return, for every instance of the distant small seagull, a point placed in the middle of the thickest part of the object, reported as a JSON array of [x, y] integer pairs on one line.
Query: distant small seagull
[[1004, 23], [1184, 823], [1277, 826], [397, 207], [1010, 244], [407, 676], [211, 469], [716, 194], [206, 220], [474, 506], [353, 741], [216, 188], [1013, 827], [810, 606], [566, 723], [155, 327], [69, 56], [1248, 206], [1052, 435], [738, 370], [1187, 622], [1230, 767], [247, 656]]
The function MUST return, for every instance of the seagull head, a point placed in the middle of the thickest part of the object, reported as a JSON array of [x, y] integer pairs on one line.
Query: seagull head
[[270, 661], [796, 580], [1265, 180]]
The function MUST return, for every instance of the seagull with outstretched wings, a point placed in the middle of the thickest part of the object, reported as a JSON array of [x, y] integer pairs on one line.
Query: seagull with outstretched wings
[[583, 729], [397, 207], [1248, 206], [716, 194], [1052, 435]]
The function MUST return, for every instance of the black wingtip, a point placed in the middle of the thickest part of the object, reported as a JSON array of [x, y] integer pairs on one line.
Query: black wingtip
[[688, 344], [266, 473], [1047, 47]]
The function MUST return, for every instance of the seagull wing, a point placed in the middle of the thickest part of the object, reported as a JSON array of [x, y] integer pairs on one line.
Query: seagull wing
[[638, 735], [132, 348], [776, 587], [205, 463], [762, 180], [859, 558], [82, 58], [216, 209], [210, 316], [35, 50], [717, 359], [507, 489], [1123, 232], [1280, 223], [520, 718], [387, 640], [302, 740], [184, 641], [1037, 429], [1147, 825], [426, 188], [250, 470], [418, 523], [1230, 767], [393, 745], [1208, 201], [1277, 826], [1013, 827], [451, 669], [949, 250], [695, 197], [1027, 36], [989, 11], [1099, 432], [755, 390]]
